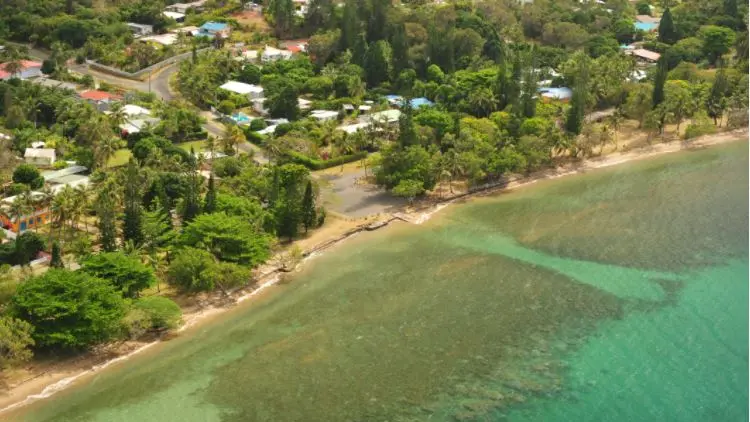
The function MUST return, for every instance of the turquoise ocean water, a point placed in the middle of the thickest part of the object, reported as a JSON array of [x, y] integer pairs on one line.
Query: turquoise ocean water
[[618, 295]]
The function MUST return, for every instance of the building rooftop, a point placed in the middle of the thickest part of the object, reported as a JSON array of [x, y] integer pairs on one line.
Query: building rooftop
[[163, 39], [53, 83], [53, 176], [645, 54], [647, 19], [324, 114], [561, 93], [173, 15], [96, 95], [140, 25], [190, 29], [242, 88], [135, 110], [39, 153]]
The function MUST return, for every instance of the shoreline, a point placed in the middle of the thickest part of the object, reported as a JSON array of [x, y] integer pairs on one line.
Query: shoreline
[[61, 375]]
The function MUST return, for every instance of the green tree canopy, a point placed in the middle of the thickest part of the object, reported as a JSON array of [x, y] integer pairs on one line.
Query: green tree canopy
[[69, 309], [228, 238], [15, 341], [125, 272]]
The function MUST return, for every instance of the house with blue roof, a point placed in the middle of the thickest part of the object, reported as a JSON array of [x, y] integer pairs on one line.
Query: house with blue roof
[[397, 101], [214, 29]]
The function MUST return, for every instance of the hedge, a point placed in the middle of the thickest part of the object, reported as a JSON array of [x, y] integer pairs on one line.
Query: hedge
[[314, 164]]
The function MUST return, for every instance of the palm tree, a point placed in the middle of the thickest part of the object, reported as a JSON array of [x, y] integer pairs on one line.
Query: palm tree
[[453, 166], [605, 137], [275, 147], [344, 146], [80, 204], [117, 115], [62, 208], [105, 149], [360, 141], [233, 137], [615, 121], [327, 132], [19, 208]]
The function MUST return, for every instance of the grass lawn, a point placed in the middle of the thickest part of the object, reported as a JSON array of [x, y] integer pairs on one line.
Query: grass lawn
[[196, 145], [121, 157]]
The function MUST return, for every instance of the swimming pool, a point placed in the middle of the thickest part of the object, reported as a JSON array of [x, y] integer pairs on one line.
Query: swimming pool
[[241, 118], [646, 26]]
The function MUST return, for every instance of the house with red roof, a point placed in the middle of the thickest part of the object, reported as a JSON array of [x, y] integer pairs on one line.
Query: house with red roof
[[29, 69], [102, 100]]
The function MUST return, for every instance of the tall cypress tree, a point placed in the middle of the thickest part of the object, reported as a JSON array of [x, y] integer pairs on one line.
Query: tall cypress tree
[[513, 89], [494, 48], [399, 49], [360, 50], [350, 25], [56, 260], [407, 134], [107, 224], [209, 202], [667, 31], [717, 101], [377, 63], [132, 228], [378, 22], [308, 207], [528, 96], [191, 205], [283, 16], [659, 80], [730, 8], [574, 121]]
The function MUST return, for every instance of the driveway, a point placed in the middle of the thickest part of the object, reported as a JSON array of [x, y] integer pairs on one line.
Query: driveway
[[341, 193]]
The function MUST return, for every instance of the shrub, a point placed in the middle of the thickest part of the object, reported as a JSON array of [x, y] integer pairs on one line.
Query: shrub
[[163, 313], [28, 175], [701, 125], [257, 124], [59, 165], [16, 189], [226, 107]]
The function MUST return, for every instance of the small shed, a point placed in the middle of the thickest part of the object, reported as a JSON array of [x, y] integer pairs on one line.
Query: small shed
[[43, 157]]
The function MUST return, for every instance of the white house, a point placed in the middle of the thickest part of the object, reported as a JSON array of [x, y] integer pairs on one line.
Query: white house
[[258, 105], [184, 7], [163, 39], [303, 104], [247, 56], [40, 156], [29, 69], [271, 54], [139, 29], [250, 91], [177, 16]]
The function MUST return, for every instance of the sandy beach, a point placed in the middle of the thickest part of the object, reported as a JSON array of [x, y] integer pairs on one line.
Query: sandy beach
[[42, 378]]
